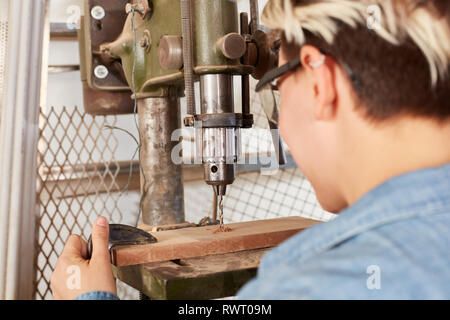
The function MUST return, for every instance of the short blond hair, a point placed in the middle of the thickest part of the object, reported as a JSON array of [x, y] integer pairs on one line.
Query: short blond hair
[[402, 65], [417, 19]]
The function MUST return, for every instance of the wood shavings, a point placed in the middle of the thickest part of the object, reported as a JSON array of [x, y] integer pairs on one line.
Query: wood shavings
[[222, 229]]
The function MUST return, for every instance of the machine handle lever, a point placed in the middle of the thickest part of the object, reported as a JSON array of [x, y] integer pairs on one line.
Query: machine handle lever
[[122, 235]]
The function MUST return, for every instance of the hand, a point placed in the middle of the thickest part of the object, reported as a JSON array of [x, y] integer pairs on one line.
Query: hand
[[74, 274]]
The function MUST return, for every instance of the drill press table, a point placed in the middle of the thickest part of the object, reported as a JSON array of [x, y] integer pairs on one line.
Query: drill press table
[[195, 263], [208, 277]]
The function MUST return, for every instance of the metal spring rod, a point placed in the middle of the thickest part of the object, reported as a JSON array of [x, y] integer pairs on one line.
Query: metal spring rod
[[187, 55], [245, 80], [254, 14]]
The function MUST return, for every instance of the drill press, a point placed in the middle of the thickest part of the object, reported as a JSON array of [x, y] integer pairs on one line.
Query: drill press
[[158, 49], [154, 51]]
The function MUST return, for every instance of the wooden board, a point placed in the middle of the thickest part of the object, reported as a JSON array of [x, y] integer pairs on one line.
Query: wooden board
[[201, 241]]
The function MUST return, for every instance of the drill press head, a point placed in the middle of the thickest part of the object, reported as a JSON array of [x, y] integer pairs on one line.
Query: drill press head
[[218, 141]]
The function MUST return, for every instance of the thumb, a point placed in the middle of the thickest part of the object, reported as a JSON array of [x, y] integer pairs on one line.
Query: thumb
[[100, 240], [75, 247]]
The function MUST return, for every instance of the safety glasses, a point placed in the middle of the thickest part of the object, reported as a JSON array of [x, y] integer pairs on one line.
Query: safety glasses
[[271, 76]]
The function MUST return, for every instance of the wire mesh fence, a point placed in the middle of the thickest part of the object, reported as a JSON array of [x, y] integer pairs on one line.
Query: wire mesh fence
[[80, 178], [76, 182]]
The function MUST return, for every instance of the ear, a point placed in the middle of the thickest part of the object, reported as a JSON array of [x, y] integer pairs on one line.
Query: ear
[[323, 78]]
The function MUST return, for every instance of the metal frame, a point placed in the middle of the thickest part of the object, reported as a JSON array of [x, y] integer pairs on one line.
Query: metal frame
[[18, 145]]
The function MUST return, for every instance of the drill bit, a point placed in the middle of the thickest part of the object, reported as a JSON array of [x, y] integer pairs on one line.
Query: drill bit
[[221, 211], [214, 207], [219, 202]]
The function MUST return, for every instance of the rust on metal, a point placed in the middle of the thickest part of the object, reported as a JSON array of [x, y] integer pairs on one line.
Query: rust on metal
[[62, 32], [161, 179], [103, 31], [98, 102], [232, 45], [266, 58]]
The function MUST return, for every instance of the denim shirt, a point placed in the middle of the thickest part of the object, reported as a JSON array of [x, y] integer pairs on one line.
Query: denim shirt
[[394, 243], [97, 295]]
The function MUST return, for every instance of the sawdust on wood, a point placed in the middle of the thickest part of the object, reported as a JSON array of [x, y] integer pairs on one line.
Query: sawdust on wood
[[222, 229]]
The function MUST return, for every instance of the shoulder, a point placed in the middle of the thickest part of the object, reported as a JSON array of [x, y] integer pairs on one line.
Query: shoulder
[[406, 259]]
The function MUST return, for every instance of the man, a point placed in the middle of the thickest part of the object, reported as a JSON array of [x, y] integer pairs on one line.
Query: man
[[365, 110]]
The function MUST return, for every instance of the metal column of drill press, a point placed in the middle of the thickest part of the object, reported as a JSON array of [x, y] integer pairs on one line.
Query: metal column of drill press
[[161, 179]]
